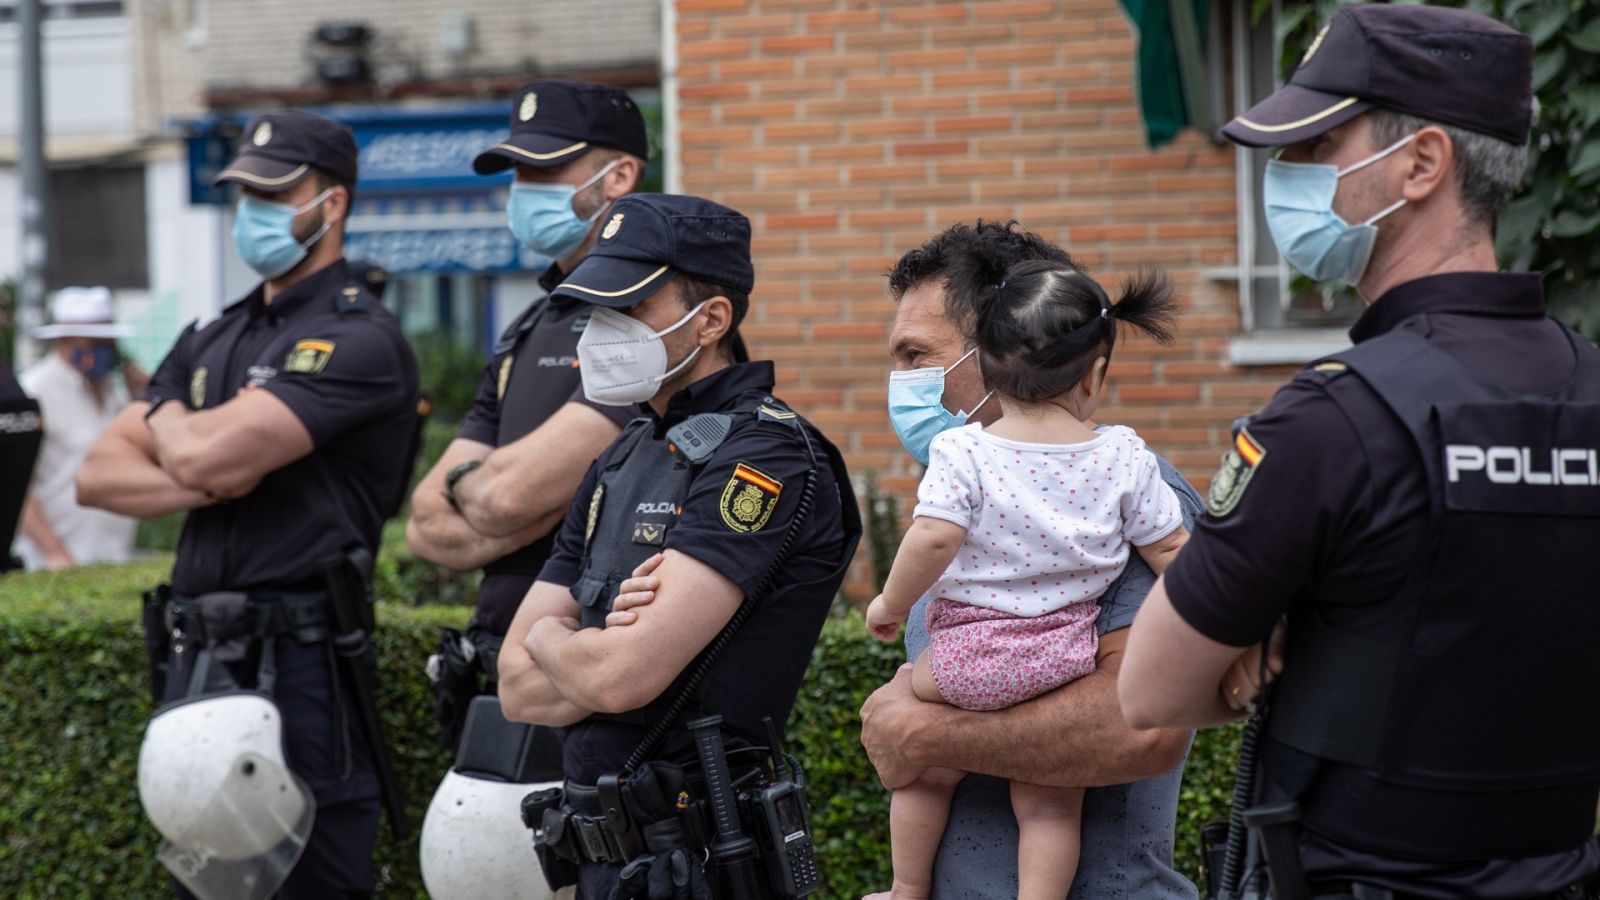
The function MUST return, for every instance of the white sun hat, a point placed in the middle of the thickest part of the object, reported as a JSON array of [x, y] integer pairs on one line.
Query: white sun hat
[[82, 312]]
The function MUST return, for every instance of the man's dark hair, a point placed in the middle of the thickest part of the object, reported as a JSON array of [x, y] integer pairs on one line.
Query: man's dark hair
[[694, 291], [971, 260]]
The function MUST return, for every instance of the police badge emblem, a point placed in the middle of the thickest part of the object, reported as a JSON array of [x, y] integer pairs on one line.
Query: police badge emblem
[[612, 227], [197, 388], [530, 105], [1238, 467], [594, 512], [749, 499], [263, 134], [504, 379]]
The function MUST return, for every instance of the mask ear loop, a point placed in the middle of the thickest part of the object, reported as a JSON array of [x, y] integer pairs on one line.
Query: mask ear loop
[[960, 361], [970, 413], [592, 179]]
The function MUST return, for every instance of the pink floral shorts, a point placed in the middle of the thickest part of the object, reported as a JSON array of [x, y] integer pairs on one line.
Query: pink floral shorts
[[984, 659]]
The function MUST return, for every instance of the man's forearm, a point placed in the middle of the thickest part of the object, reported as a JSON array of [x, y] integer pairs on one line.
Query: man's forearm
[[36, 528], [119, 477], [440, 535], [495, 500], [1072, 736], [577, 664], [530, 696]]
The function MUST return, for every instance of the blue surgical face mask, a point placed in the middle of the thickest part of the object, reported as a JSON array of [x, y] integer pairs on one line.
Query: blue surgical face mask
[[542, 218], [96, 361], [916, 407], [1309, 234], [263, 233]]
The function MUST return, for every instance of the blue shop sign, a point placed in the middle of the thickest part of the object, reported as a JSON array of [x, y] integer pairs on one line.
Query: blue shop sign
[[419, 206]]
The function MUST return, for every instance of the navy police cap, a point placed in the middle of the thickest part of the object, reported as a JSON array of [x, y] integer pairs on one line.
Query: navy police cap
[[647, 238], [555, 122], [1444, 65], [279, 150]]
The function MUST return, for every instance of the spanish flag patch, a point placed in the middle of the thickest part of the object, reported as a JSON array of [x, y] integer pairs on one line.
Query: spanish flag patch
[[1238, 467], [309, 356], [749, 499]]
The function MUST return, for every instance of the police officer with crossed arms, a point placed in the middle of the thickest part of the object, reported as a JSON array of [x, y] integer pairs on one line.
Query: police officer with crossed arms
[[1423, 508], [499, 490], [281, 429], [748, 505]]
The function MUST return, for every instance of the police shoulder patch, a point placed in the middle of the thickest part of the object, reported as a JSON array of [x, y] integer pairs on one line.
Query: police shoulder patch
[[197, 388], [309, 356], [749, 499], [1238, 467], [504, 378]]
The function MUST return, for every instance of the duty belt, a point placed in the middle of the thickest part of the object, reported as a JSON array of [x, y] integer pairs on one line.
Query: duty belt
[[582, 829], [1355, 890], [302, 615]]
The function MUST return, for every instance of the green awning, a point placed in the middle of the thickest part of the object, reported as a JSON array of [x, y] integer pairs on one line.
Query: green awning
[[1171, 79]]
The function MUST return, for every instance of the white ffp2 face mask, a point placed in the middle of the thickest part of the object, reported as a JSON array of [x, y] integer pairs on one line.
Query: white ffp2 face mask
[[622, 361]]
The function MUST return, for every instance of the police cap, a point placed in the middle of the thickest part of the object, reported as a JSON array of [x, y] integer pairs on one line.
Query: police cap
[[555, 122], [648, 238], [279, 150], [1445, 65]]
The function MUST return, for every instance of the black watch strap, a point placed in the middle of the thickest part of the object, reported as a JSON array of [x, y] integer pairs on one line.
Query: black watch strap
[[455, 475]]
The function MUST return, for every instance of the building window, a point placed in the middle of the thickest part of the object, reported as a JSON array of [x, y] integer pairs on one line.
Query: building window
[[97, 227], [1273, 299]]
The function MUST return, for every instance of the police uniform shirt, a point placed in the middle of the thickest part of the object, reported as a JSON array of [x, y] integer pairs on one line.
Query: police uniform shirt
[[528, 378], [1324, 501], [10, 391], [339, 362], [769, 653]]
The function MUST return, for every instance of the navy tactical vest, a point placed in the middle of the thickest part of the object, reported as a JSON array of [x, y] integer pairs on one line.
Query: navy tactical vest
[[636, 503], [1467, 725]]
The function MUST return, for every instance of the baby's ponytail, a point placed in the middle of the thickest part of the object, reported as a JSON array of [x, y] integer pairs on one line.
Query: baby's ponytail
[[1041, 327], [1148, 303]]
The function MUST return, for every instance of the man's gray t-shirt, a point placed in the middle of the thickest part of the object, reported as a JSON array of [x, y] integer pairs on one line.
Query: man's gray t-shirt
[[1127, 828]]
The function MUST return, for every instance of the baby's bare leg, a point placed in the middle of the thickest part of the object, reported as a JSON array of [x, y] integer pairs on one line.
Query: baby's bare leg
[[918, 813], [917, 816], [1049, 826]]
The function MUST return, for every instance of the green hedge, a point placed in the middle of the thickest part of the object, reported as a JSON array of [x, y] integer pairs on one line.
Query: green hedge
[[75, 699]]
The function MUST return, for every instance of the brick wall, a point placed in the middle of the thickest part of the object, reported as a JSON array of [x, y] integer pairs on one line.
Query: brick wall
[[850, 131]]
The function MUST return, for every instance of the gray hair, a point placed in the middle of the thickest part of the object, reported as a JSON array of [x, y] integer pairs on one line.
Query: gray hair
[[1488, 170]]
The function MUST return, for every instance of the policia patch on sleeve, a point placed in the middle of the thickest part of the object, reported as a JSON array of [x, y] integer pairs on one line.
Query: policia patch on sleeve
[[1238, 467], [309, 356], [749, 499]]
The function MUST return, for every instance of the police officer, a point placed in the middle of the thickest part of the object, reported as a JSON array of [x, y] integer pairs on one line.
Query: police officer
[[276, 428], [497, 493], [746, 501], [20, 436], [1423, 507]]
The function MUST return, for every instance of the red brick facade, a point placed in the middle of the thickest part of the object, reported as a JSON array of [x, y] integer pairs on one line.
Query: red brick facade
[[851, 131]]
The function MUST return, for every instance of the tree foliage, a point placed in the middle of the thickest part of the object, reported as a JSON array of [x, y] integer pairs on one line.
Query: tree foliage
[[1553, 225]]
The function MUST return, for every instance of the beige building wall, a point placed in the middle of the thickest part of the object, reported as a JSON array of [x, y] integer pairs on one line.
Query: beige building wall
[[182, 48]]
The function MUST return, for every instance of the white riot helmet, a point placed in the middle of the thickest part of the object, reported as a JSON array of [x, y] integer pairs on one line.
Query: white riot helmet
[[213, 780], [474, 844]]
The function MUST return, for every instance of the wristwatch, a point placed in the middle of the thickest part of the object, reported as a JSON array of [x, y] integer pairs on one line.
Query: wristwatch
[[455, 475]]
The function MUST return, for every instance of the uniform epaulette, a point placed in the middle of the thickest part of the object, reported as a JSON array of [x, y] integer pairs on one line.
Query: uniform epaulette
[[353, 298], [1324, 371], [775, 412]]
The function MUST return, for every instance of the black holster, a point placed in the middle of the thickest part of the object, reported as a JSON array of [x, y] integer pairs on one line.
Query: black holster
[[639, 824], [157, 637], [462, 668]]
